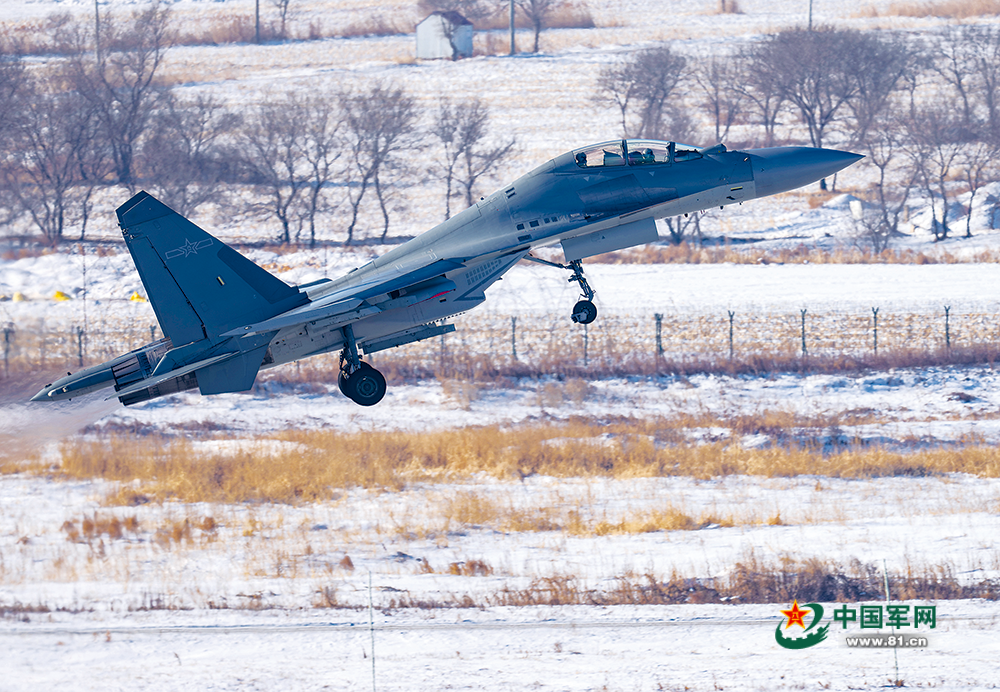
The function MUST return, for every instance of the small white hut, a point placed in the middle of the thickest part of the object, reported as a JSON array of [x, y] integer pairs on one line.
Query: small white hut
[[444, 35]]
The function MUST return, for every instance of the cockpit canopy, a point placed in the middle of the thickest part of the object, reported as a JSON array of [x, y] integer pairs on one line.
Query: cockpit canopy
[[634, 152]]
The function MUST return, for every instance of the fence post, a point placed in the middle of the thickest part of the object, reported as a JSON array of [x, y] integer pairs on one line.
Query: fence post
[[152, 332], [513, 337], [731, 315], [947, 330], [804, 311], [659, 334], [875, 330], [8, 334], [441, 357], [585, 338]]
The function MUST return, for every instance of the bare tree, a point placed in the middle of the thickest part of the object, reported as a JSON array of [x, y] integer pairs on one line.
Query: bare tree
[[538, 12], [679, 228], [321, 151], [955, 61], [462, 129], [470, 9], [758, 84], [446, 128], [977, 162], [717, 76], [120, 85], [184, 157], [50, 139], [271, 142], [882, 145], [810, 71], [640, 86], [968, 59], [451, 25], [878, 68], [826, 71], [936, 137], [282, 6], [379, 125], [95, 168], [987, 61], [13, 85]]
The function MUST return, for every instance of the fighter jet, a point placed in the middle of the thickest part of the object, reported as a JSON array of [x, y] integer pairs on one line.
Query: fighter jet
[[225, 318]]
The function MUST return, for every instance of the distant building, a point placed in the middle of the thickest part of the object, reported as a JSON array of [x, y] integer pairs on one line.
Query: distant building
[[444, 35]]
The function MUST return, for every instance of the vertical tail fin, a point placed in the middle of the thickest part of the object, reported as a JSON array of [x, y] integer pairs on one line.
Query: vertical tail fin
[[198, 286]]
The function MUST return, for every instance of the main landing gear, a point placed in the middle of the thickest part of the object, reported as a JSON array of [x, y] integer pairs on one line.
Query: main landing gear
[[359, 382], [584, 312]]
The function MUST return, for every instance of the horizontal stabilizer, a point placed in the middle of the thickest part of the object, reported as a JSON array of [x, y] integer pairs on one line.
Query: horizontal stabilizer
[[233, 374], [156, 379]]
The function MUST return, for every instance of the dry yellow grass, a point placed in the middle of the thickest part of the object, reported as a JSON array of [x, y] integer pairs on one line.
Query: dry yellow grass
[[951, 9], [751, 581], [323, 461], [475, 510]]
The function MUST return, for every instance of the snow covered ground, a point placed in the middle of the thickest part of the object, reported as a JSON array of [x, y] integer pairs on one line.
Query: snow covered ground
[[144, 613], [141, 610], [619, 649]]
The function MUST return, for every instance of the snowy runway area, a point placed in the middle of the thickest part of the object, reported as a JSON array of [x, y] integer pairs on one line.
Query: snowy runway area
[[623, 648]]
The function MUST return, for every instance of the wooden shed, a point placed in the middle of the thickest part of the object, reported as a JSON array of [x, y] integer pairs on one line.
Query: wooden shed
[[444, 35]]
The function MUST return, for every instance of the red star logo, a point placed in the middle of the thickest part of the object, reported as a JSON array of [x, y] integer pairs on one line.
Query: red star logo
[[795, 615]]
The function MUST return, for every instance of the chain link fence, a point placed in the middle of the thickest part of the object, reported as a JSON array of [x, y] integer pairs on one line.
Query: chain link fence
[[619, 342]]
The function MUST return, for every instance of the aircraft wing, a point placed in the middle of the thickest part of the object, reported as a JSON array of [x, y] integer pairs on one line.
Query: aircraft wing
[[346, 304]]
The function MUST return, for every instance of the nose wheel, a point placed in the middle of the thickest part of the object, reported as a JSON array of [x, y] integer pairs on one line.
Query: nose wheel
[[359, 382], [584, 312]]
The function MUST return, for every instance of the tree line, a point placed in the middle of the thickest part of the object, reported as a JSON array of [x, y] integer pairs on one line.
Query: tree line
[[101, 118], [924, 110]]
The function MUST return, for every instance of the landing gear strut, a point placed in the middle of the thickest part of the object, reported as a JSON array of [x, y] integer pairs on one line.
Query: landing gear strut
[[584, 312], [359, 382]]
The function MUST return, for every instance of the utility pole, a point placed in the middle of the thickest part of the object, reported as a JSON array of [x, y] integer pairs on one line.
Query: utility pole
[[257, 22], [810, 15], [97, 33], [513, 48]]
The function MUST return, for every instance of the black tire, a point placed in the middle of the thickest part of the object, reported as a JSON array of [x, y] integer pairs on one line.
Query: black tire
[[342, 383], [584, 312], [365, 386]]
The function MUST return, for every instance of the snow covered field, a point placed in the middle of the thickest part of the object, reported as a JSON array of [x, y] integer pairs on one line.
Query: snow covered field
[[621, 648], [262, 597]]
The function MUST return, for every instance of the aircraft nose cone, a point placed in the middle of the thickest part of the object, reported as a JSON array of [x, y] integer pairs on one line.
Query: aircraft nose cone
[[780, 169]]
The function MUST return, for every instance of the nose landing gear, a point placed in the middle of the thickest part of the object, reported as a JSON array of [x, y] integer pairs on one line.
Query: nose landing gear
[[584, 312], [358, 381]]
